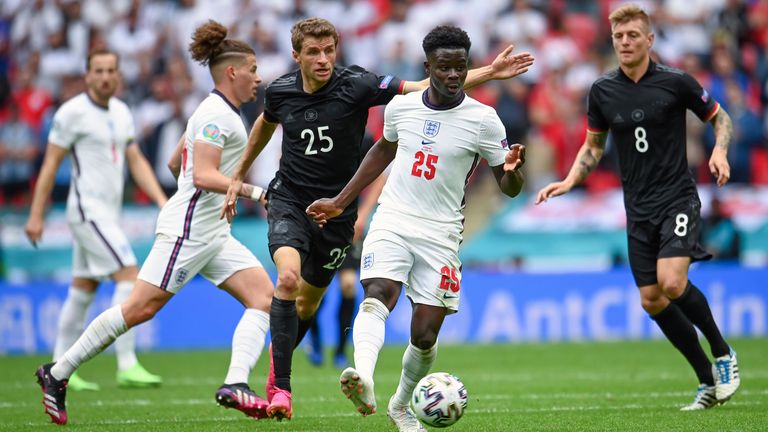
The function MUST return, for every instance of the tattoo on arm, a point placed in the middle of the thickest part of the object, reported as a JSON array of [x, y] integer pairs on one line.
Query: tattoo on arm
[[723, 129], [587, 163]]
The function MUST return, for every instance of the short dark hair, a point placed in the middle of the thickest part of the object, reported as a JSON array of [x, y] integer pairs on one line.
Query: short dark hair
[[445, 36], [100, 51], [312, 27]]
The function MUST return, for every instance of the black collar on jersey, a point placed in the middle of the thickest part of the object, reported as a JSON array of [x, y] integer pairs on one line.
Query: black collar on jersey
[[430, 105], [96, 104], [231, 105], [651, 69]]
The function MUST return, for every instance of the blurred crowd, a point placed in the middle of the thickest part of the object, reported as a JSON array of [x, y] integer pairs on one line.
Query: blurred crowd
[[44, 44]]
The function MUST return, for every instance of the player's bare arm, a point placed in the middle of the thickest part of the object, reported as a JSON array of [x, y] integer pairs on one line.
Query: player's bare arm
[[261, 132], [586, 161], [506, 65], [718, 162], [174, 163], [508, 175], [143, 175], [374, 163], [54, 155]]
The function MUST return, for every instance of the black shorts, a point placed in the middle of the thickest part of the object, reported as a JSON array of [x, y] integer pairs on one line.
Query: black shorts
[[352, 260], [322, 250], [677, 234]]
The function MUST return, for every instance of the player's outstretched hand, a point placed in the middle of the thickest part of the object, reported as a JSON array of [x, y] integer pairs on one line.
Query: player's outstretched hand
[[323, 209], [552, 190], [507, 65], [515, 158], [34, 230], [719, 167], [230, 202]]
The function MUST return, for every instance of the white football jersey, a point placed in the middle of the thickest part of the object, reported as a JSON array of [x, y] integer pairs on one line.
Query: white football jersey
[[96, 138], [437, 150], [191, 212]]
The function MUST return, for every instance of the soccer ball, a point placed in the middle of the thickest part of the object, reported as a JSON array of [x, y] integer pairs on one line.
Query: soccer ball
[[439, 399]]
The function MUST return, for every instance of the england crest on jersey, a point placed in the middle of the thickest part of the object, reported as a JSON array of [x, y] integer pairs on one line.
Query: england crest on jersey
[[431, 128]]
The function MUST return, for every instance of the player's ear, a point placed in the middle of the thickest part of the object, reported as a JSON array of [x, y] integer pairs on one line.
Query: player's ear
[[651, 38], [295, 56], [230, 71], [426, 67]]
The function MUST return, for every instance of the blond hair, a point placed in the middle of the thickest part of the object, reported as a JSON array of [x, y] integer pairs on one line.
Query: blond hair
[[630, 12]]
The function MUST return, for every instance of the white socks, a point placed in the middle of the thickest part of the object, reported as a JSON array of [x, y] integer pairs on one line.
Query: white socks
[[368, 335], [247, 344], [125, 345], [71, 319], [416, 364], [100, 333]]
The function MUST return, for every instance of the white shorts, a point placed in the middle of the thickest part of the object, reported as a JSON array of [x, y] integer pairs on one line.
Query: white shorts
[[430, 269], [100, 249], [174, 261]]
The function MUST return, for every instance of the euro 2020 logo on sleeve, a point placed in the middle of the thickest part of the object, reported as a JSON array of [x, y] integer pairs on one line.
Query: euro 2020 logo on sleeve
[[211, 131], [431, 128]]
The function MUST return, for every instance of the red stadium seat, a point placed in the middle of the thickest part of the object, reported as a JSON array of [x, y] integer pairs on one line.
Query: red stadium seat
[[759, 166]]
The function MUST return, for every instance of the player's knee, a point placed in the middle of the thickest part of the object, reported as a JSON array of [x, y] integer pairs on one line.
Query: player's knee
[[654, 304], [424, 340], [673, 285], [288, 281]]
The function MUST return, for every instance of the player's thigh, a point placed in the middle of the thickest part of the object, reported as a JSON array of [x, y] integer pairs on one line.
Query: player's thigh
[[643, 246], [435, 278], [101, 249], [330, 245], [680, 233], [174, 261], [288, 226], [236, 270], [385, 256]]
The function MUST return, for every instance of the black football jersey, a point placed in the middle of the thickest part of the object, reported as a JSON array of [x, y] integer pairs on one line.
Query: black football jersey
[[647, 122], [323, 131]]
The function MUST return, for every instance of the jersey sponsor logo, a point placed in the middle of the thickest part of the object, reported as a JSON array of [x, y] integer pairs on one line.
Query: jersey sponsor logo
[[638, 115], [181, 276], [211, 131], [431, 128], [618, 118], [704, 95], [385, 82], [368, 261], [290, 118], [504, 143], [310, 115], [448, 295], [426, 142]]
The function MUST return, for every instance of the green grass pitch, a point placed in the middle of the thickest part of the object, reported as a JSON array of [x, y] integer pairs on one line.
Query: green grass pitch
[[621, 386]]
